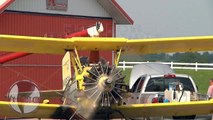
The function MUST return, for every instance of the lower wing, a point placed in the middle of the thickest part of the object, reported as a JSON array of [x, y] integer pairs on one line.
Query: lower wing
[[8, 109], [32, 110], [165, 109]]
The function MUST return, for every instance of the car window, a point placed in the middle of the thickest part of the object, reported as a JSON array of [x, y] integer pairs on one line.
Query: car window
[[138, 85], [160, 84]]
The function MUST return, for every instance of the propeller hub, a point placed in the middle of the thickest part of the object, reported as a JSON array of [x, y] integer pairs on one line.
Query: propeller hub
[[105, 83]]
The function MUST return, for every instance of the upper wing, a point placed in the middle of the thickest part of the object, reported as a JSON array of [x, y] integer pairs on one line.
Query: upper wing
[[176, 44], [165, 109], [56, 45], [20, 110], [143, 46]]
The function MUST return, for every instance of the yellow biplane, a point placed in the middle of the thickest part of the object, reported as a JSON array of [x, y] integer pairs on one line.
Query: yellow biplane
[[97, 90]]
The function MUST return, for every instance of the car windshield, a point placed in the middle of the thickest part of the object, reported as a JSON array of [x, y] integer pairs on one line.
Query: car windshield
[[160, 84]]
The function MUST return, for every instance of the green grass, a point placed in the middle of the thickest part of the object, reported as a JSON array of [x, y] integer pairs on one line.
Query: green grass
[[127, 72], [201, 77]]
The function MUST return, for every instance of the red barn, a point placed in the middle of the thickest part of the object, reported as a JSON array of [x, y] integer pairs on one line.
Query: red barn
[[51, 18]]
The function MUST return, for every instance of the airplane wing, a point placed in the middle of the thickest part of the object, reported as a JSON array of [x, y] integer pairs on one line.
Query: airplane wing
[[11, 109], [143, 46], [165, 109], [140, 110]]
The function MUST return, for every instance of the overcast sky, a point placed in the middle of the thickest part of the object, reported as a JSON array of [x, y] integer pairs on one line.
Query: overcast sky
[[167, 18]]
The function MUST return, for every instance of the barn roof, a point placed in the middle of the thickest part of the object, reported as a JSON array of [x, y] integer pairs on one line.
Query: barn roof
[[116, 11], [110, 6], [4, 4]]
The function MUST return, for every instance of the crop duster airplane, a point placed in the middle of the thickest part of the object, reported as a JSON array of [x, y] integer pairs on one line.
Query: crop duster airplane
[[98, 90]]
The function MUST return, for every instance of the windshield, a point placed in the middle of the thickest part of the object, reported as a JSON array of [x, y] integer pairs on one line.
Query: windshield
[[138, 85], [160, 84]]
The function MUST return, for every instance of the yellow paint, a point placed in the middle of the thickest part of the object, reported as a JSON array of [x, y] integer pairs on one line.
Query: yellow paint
[[42, 111], [134, 46], [117, 57], [80, 77], [166, 109], [130, 111], [80, 72], [78, 62], [46, 101], [130, 46]]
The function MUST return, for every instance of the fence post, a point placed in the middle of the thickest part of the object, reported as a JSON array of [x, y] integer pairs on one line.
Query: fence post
[[196, 66], [171, 64], [124, 66]]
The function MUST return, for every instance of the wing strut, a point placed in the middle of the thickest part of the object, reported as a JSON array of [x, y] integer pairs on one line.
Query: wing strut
[[78, 68], [117, 57]]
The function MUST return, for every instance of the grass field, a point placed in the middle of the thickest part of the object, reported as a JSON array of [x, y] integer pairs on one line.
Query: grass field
[[201, 77]]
